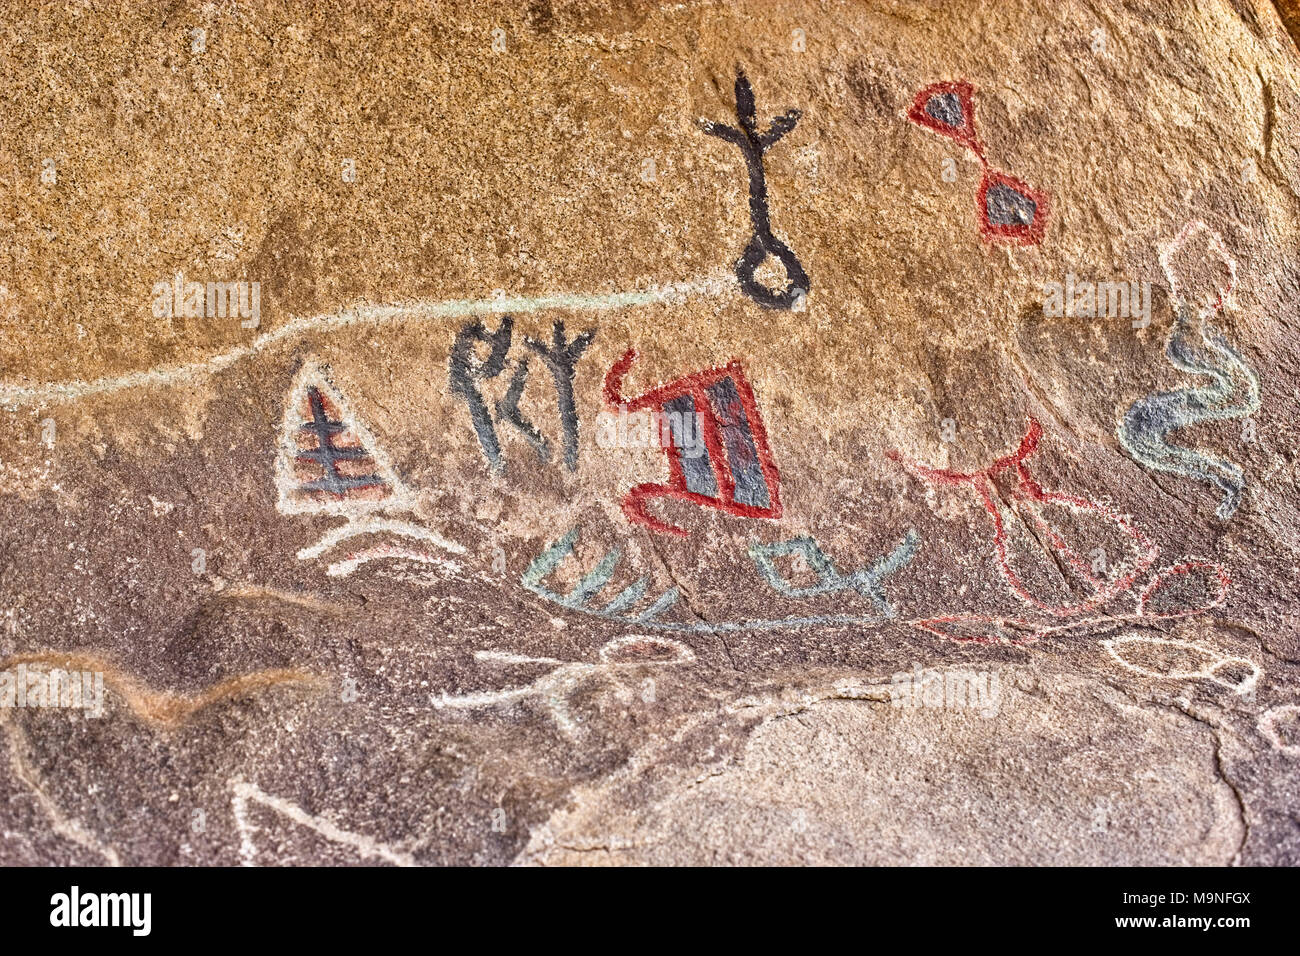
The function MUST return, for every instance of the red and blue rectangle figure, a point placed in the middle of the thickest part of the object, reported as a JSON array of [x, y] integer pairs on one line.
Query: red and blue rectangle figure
[[736, 473]]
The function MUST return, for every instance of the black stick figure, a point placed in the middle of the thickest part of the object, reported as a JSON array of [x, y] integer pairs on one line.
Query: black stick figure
[[466, 370], [560, 358], [753, 145]]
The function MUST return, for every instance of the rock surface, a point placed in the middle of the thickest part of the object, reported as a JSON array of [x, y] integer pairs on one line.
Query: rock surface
[[966, 577]]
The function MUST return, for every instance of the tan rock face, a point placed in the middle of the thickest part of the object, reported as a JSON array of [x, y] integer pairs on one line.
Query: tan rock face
[[580, 432], [843, 782]]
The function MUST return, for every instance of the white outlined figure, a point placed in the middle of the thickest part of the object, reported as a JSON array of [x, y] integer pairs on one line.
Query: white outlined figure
[[1268, 726], [242, 793], [1164, 581], [554, 688], [1181, 291], [344, 567], [1214, 662], [329, 463]]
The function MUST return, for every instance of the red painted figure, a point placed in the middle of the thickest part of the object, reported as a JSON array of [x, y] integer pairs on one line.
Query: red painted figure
[[736, 474], [1009, 209], [1027, 498]]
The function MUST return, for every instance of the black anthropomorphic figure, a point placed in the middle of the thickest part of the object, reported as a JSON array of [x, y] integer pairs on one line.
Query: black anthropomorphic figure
[[753, 145]]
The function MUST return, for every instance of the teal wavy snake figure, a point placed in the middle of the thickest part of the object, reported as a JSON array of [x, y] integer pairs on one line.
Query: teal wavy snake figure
[[1196, 347]]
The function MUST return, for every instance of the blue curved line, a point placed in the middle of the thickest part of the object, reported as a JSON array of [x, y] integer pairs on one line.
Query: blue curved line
[[1232, 393]]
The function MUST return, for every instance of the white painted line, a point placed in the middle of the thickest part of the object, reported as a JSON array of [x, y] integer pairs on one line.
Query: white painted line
[[243, 792], [372, 525], [14, 396]]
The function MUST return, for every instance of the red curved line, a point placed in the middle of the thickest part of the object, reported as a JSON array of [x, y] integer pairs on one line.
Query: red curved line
[[613, 385], [635, 501], [634, 507], [930, 624], [1028, 445]]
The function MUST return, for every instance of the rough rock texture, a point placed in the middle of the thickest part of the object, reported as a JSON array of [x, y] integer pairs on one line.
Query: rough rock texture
[[1104, 625]]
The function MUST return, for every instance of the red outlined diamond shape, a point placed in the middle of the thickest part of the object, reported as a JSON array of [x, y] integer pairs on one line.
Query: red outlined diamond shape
[[1023, 233], [964, 132]]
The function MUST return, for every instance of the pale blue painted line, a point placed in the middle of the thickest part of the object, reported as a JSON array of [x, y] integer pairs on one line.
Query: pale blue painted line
[[666, 600], [628, 596], [545, 563], [593, 582]]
